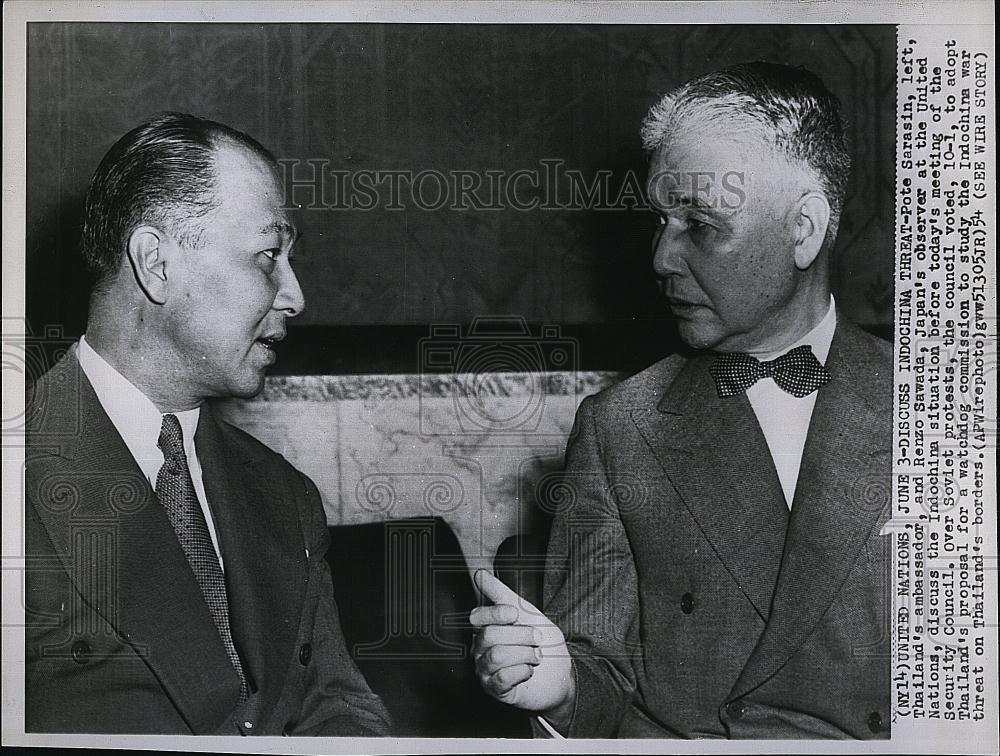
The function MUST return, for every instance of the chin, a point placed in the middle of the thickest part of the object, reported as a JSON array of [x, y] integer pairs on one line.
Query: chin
[[697, 338], [247, 386]]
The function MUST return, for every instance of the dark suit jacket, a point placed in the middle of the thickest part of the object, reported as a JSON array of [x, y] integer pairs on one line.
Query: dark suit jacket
[[119, 638], [688, 610]]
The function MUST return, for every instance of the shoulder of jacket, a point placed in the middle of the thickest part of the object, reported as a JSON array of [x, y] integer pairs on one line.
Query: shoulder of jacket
[[869, 363], [645, 388]]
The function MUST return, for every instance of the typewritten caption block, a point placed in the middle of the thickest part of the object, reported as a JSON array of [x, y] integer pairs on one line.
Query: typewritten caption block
[[944, 518]]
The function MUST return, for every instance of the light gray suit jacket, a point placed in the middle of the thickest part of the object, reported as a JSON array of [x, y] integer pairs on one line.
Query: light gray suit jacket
[[694, 604]]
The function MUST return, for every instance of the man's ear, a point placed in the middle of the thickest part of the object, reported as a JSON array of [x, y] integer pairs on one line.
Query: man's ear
[[811, 223], [148, 249]]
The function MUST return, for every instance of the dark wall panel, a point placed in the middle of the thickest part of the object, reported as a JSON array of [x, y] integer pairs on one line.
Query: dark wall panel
[[443, 98]]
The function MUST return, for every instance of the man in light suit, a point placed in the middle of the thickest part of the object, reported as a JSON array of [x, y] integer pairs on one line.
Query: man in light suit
[[717, 569], [176, 576]]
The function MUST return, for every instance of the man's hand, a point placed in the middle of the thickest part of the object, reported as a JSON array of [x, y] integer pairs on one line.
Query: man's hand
[[521, 656]]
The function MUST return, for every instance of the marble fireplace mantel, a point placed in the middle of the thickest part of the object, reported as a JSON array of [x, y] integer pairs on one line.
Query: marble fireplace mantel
[[470, 448]]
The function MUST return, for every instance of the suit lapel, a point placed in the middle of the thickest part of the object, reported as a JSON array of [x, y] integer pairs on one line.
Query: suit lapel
[[840, 499], [265, 580], [100, 512], [711, 449]]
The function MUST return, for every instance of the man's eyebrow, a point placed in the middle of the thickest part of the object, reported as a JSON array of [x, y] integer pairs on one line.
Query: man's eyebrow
[[676, 201], [684, 200], [281, 227]]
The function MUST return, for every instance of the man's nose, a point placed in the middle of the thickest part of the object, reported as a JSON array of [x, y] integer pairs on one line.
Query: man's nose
[[289, 298], [668, 251]]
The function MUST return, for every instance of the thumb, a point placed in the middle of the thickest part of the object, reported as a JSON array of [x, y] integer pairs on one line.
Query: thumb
[[496, 591]]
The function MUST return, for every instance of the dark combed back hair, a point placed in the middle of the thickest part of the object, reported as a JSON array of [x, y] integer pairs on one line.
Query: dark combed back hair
[[161, 173], [800, 116]]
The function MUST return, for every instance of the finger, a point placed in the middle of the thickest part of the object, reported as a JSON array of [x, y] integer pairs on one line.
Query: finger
[[503, 680], [505, 635], [498, 657], [498, 614], [495, 590]]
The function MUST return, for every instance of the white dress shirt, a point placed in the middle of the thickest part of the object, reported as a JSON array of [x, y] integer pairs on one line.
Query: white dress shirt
[[785, 418], [138, 422]]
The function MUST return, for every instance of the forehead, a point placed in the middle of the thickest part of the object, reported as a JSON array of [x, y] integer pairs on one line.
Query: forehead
[[709, 152], [714, 166], [248, 191]]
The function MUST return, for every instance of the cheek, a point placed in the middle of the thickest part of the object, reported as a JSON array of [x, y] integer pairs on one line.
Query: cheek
[[721, 270], [766, 264], [247, 296], [740, 283]]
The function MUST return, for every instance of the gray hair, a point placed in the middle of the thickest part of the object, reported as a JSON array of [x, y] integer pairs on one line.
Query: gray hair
[[787, 109]]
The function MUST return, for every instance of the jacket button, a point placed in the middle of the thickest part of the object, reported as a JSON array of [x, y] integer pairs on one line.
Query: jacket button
[[305, 653], [80, 652], [687, 603], [875, 722], [736, 709]]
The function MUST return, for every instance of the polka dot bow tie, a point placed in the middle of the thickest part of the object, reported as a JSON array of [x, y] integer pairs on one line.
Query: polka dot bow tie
[[797, 372]]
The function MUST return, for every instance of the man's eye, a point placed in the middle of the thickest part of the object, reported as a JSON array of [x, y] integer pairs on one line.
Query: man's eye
[[270, 254]]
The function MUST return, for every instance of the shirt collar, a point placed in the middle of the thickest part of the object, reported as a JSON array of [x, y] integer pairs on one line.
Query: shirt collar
[[819, 338], [133, 414]]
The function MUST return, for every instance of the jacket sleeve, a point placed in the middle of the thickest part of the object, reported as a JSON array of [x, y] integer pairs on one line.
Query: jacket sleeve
[[337, 699], [590, 581]]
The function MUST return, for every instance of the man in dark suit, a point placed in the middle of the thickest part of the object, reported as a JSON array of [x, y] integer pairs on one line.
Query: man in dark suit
[[177, 580], [717, 569]]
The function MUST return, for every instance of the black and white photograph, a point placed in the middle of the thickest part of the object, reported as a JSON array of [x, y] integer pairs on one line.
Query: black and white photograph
[[500, 376]]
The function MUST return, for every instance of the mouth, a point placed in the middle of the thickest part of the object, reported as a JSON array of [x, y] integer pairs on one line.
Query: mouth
[[680, 304], [685, 311], [269, 341]]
